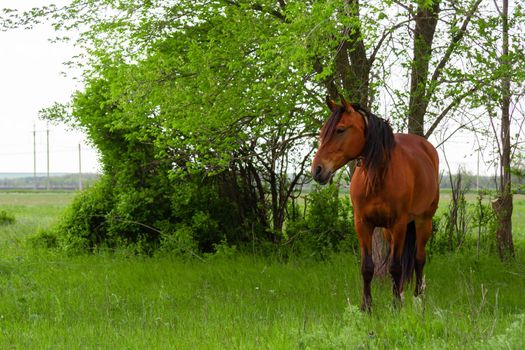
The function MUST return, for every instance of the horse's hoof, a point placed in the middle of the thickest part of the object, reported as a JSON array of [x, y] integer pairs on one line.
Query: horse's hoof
[[366, 307], [398, 301], [418, 302]]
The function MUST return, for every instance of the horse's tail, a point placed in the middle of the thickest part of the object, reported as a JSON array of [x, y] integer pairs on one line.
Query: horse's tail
[[409, 253]]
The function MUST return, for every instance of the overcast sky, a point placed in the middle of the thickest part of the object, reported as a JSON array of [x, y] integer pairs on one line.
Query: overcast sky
[[31, 78]]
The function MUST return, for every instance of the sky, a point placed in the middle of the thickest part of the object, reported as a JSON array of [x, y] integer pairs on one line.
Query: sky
[[32, 77]]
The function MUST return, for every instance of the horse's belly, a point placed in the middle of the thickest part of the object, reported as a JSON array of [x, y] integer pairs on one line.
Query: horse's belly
[[425, 198]]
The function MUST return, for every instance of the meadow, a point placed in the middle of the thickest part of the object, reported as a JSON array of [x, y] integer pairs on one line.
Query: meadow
[[116, 300]]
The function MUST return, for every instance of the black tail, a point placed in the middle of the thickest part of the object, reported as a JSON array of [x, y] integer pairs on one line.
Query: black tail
[[409, 253]]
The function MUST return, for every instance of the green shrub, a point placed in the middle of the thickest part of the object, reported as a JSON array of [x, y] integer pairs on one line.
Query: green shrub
[[85, 222], [6, 218], [181, 241], [187, 216], [477, 229], [44, 239], [326, 225]]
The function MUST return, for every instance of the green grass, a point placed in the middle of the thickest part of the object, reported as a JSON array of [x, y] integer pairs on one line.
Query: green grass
[[32, 211], [518, 213], [118, 301]]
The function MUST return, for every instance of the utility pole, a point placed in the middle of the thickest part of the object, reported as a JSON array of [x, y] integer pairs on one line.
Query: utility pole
[[79, 167], [47, 134], [477, 177], [34, 156]]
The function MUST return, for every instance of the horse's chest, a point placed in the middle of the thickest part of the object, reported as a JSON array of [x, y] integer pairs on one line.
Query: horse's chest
[[379, 214]]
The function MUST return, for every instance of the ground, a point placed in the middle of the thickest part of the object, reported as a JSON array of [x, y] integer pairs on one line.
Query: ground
[[116, 300]]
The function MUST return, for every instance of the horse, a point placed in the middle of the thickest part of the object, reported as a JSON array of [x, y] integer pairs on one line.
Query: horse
[[395, 186]]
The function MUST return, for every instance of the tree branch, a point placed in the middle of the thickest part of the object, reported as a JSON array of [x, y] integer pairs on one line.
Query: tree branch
[[450, 49], [327, 81], [443, 114], [449, 136], [259, 8], [409, 8], [385, 35]]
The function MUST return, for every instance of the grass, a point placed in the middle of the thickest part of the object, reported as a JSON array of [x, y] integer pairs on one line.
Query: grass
[[32, 211], [118, 301]]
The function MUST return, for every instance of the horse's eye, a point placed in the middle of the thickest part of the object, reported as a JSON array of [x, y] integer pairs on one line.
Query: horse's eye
[[340, 130]]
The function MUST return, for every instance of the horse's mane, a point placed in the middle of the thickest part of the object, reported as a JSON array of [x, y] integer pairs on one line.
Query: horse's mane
[[328, 129], [379, 145], [379, 142]]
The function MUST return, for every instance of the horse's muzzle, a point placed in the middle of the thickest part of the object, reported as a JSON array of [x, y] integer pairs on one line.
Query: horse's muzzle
[[321, 174]]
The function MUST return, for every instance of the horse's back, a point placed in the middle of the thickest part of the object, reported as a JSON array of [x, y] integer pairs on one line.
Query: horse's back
[[420, 150], [422, 162]]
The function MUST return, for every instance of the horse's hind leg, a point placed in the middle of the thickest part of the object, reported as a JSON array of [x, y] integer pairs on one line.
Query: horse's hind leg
[[423, 232]]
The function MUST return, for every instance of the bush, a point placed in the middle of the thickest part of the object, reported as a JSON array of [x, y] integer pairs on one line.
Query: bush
[[179, 216], [326, 225], [44, 239], [477, 228], [6, 218], [84, 224]]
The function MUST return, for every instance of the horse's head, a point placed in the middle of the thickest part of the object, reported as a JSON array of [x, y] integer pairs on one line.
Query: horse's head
[[342, 140]]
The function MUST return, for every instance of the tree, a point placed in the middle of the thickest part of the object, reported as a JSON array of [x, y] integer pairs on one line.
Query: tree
[[237, 86], [503, 204], [496, 57]]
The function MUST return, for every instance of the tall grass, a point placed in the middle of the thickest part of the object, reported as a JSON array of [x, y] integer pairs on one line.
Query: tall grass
[[119, 301], [112, 301]]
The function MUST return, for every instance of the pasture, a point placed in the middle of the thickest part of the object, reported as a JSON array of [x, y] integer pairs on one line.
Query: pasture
[[120, 301]]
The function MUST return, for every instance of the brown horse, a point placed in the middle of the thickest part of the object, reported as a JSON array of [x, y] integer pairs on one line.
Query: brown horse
[[395, 186]]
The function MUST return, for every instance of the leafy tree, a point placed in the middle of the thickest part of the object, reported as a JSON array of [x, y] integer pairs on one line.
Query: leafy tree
[[233, 90], [496, 58]]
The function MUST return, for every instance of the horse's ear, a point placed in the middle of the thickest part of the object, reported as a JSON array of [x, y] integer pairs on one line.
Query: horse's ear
[[330, 103], [348, 107]]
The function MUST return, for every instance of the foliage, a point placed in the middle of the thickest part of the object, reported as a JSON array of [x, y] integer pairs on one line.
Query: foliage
[[326, 225], [186, 218], [46, 239], [157, 122], [83, 223], [181, 90], [6, 218], [475, 232]]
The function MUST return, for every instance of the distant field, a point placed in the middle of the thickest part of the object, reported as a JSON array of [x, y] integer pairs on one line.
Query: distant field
[[49, 300], [518, 213], [27, 175], [63, 181], [33, 211]]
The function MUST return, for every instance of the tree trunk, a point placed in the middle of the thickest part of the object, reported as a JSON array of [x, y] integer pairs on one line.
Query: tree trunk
[[380, 253], [503, 204], [352, 67], [503, 208], [426, 21]]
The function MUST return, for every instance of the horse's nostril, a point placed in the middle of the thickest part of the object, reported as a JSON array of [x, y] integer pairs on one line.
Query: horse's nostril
[[318, 170]]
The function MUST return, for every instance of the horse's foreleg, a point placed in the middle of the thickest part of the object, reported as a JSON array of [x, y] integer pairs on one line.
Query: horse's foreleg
[[367, 271], [423, 232], [364, 233]]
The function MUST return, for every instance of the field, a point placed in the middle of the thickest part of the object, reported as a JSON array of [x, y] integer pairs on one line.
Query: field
[[118, 301]]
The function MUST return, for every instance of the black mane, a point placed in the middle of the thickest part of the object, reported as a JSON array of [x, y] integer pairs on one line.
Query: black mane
[[329, 128], [379, 142]]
